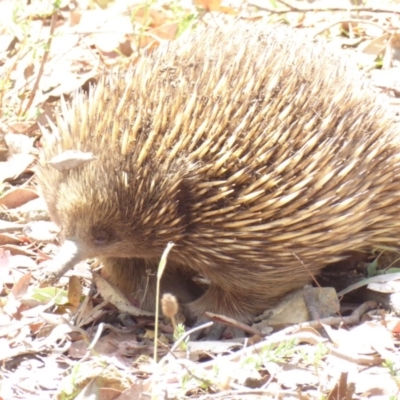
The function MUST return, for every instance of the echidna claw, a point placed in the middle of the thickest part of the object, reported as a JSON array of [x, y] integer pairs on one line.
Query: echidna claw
[[215, 331]]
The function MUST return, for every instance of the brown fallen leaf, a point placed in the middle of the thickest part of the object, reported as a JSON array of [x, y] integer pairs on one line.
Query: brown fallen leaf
[[343, 389], [8, 238], [135, 391], [34, 210], [21, 286], [16, 197], [209, 5], [19, 289], [5, 257], [166, 31], [228, 10], [113, 295], [150, 16], [74, 290]]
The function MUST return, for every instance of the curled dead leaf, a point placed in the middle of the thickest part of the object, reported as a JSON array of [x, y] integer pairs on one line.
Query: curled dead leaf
[[117, 298], [70, 159]]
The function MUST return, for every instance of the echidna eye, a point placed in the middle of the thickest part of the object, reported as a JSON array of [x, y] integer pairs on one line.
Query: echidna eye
[[101, 238]]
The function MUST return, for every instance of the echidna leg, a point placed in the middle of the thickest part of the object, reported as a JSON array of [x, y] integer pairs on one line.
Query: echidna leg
[[137, 278], [220, 301]]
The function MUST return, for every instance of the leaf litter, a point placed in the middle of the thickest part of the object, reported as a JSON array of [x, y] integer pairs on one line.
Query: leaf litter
[[56, 341]]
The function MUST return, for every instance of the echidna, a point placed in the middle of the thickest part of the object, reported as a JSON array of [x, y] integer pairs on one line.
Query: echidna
[[261, 155]]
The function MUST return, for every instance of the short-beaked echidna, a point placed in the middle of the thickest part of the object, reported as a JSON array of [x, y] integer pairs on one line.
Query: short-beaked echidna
[[261, 154]]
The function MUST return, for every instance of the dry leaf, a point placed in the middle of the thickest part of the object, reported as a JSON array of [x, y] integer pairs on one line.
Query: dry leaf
[[8, 238], [68, 82], [5, 42], [228, 10], [292, 375], [15, 166], [5, 257], [150, 16], [74, 290], [20, 261], [391, 286], [15, 250], [19, 144], [292, 309], [209, 5], [343, 389], [376, 383], [41, 231], [166, 31], [375, 279], [375, 46], [112, 294], [363, 339], [34, 210], [135, 391], [21, 287], [70, 159], [17, 292], [16, 197], [78, 349]]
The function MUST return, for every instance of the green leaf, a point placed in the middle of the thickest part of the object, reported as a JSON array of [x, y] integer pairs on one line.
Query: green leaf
[[50, 293]]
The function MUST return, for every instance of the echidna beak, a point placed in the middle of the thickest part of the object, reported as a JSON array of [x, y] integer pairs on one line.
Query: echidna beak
[[69, 255]]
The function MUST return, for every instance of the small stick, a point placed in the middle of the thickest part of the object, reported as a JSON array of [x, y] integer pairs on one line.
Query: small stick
[[160, 271], [292, 8], [44, 61]]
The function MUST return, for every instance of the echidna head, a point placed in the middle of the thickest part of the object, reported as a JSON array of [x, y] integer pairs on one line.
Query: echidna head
[[104, 210]]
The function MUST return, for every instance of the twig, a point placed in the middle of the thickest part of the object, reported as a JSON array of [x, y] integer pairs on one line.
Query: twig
[[235, 394], [182, 363], [350, 21], [12, 228], [44, 61], [221, 319], [307, 270], [302, 337], [307, 337], [292, 8], [189, 332], [352, 319]]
